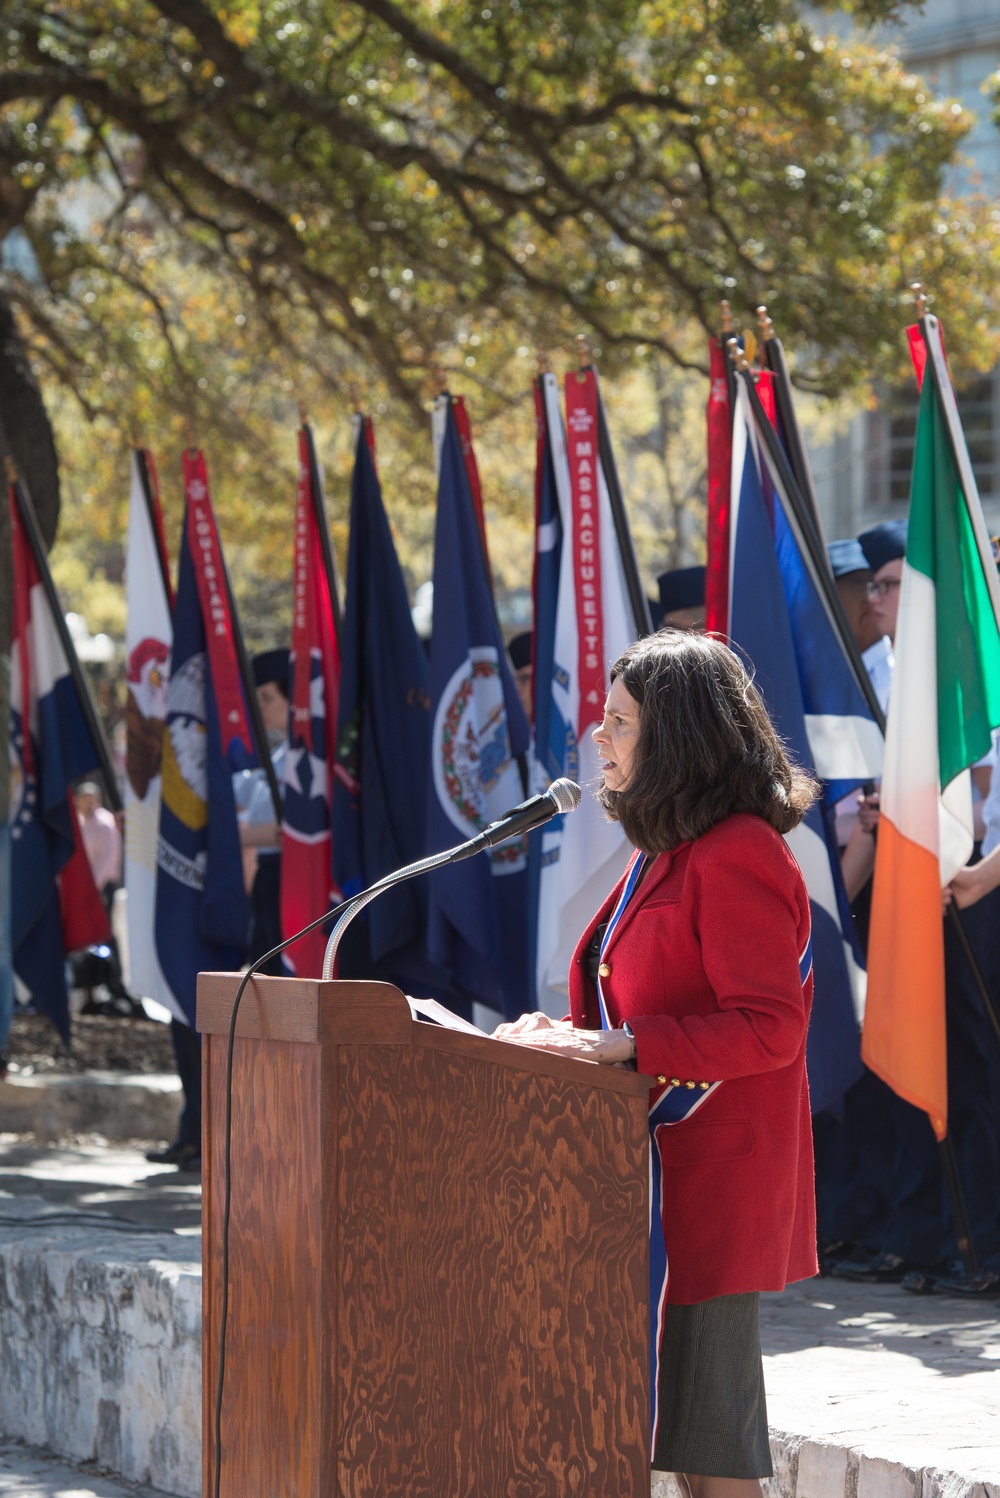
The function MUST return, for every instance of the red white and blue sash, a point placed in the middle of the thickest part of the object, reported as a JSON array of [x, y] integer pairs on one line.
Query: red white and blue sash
[[674, 1105]]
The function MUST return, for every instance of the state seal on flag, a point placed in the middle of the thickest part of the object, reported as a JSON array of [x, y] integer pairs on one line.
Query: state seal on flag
[[185, 745], [473, 768]]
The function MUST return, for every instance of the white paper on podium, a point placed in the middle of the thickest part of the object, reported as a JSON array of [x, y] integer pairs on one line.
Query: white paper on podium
[[431, 1012]]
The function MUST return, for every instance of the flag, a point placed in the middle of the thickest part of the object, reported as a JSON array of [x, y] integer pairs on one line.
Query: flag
[[477, 921], [147, 672], [592, 622], [201, 906], [383, 763], [778, 621], [945, 701], [307, 888], [51, 746], [719, 428]]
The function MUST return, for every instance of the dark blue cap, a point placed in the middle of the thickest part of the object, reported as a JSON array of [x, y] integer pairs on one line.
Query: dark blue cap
[[847, 556], [683, 588], [270, 665], [884, 543], [519, 650]]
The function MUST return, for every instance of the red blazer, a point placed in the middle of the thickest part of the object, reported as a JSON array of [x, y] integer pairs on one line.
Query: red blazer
[[705, 966]]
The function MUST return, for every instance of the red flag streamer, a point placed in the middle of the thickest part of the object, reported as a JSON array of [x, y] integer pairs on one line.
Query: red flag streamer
[[306, 861], [206, 553], [581, 424], [765, 389], [84, 916], [720, 443]]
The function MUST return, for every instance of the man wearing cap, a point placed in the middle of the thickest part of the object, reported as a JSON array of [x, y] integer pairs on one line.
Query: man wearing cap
[[519, 651], [259, 829], [682, 600]]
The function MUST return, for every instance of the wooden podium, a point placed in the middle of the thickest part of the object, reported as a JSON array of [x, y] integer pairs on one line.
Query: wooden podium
[[438, 1256]]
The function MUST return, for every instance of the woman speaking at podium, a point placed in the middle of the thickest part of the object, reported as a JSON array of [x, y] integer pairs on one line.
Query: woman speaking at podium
[[697, 969]]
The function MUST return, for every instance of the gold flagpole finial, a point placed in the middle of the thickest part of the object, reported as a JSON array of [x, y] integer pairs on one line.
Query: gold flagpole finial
[[727, 317], [920, 297], [542, 356], [189, 437], [582, 352], [303, 414], [355, 394], [439, 380], [11, 469], [737, 355], [765, 325]]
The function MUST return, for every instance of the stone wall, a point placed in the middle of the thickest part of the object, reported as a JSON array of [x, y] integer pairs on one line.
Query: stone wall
[[100, 1343]]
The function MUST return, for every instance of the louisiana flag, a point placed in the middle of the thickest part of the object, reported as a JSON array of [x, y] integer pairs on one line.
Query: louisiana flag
[[945, 701], [51, 746], [201, 907], [314, 681], [383, 748], [577, 636], [477, 923]]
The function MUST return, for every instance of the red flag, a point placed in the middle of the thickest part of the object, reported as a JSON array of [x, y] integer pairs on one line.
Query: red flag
[[581, 445], [206, 554], [720, 442], [314, 680]]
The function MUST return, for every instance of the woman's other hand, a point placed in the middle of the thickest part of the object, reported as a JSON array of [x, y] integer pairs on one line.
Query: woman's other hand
[[868, 812], [609, 1047]]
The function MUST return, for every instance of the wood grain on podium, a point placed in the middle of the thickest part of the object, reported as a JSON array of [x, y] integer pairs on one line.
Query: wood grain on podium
[[438, 1257]]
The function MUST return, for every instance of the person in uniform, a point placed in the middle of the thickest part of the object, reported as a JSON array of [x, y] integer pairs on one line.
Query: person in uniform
[[681, 603], [260, 829]]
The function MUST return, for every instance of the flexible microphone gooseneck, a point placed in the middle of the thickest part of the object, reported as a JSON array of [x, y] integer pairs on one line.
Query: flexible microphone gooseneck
[[561, 796]]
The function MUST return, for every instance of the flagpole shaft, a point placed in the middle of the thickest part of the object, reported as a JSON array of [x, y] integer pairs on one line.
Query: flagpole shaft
[[774, 354], [253, 706], [960, 1212], [322, 525], [817, 551], [29, 520], [636, 593], [155, 522], [963, 467]]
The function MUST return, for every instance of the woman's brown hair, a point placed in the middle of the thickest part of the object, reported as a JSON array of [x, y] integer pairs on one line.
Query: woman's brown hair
[[705, 749]]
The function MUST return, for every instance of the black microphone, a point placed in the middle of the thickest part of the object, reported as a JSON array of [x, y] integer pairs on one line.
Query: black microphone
[[561, 796]]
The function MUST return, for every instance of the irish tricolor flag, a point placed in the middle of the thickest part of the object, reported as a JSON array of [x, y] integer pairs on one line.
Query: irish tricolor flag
[[945, 701]]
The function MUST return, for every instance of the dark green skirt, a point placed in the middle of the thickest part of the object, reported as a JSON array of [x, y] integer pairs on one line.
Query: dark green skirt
[[713, 1415]]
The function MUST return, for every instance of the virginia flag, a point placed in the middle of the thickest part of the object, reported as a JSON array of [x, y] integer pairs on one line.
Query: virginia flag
[[314, 682], [945, 700], [201, 907], [582, 856], [477, 925], [50, 748], [779, 622], [383, 764], [147, 673]]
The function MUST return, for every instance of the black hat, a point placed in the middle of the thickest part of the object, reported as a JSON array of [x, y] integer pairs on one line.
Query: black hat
[[270, 665], [884, 543], [519, 650], [847, 557], [683, 588]]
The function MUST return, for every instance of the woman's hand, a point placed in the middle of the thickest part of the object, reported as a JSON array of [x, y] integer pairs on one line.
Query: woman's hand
[[525, 1024], [868, 812], [609, 1047]]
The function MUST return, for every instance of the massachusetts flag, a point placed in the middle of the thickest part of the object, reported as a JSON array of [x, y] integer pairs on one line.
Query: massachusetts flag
[[779, 623], [147, 673], [592, 622], [945, 701], [50, 747], [383, 763], [477, 926], [201, 907], [314, 681]]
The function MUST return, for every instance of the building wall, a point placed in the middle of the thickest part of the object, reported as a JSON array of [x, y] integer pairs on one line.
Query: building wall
[[862, 476]]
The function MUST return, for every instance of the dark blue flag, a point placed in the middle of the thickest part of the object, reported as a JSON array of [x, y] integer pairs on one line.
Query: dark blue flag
[[201, 906], [478, 909], [761, 623], [382, 766]]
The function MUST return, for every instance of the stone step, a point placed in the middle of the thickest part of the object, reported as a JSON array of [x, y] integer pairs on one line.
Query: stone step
[[114, 1104]]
